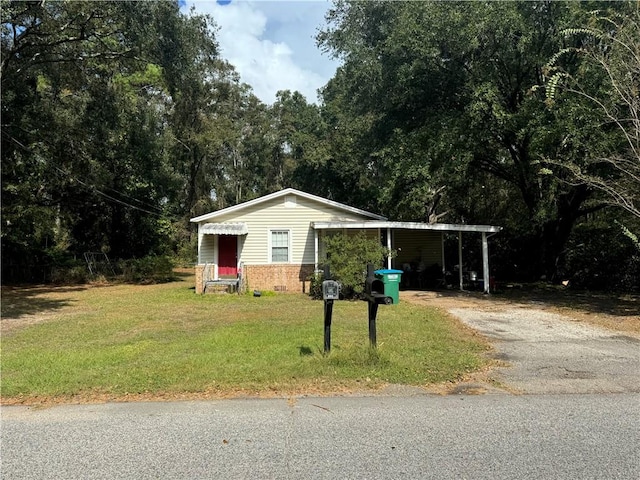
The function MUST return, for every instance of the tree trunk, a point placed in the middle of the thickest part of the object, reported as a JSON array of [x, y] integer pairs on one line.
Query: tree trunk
[[555, 233]]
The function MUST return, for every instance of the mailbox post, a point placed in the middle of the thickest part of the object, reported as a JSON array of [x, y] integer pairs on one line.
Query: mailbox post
[[373, 313], [330, 292], [380, 288]]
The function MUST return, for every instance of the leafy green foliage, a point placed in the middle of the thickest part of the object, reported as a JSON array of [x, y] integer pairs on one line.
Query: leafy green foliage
[[121, 120], [315, 285], [602, 257], [442, 107], [348, 257], [150, 269], [605, 51], [630, 235]]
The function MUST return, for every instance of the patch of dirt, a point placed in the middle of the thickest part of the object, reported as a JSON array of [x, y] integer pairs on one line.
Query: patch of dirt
[[25, 306]]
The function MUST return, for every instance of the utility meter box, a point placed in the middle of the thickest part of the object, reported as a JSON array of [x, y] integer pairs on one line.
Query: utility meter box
[[330, 290]]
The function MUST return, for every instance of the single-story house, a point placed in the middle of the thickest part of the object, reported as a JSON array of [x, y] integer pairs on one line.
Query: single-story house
[[275, 242]]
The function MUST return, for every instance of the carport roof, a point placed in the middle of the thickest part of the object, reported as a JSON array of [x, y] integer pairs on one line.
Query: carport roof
[[440, 227]]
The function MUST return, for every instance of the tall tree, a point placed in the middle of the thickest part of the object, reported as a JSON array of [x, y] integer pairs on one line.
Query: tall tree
[[608, 48], [86, 93], [445, 97], [299, 149], [59, 60]]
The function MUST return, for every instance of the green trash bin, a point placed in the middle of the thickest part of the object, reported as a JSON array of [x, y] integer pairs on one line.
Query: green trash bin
[[391, 280]]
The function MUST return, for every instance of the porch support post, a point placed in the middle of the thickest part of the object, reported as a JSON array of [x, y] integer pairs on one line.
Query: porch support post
[[389, 247], [485, 263], [460, 258], [315, 248], [216, 255], [444, 268]]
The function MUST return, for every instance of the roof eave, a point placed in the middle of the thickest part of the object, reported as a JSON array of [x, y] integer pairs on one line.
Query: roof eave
[[281, 193], [441, 227]]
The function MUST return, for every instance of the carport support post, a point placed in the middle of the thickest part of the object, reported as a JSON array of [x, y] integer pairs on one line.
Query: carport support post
[[460, 258], [389, 247], [485, 263]]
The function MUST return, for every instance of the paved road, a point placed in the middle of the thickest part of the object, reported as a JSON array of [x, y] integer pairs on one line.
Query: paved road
[[445, 437]]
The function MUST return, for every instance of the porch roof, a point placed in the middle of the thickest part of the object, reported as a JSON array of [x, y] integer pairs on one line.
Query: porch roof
[[239, 228], [441, 227]]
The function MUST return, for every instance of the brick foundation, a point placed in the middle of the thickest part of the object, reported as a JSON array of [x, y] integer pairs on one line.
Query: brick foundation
[[278, 278], [199, 279]]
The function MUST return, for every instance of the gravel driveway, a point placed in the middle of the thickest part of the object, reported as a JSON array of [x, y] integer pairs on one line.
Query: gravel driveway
[[545, 352]]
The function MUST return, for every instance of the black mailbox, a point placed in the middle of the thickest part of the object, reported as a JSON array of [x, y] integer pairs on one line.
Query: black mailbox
[[374, 289]]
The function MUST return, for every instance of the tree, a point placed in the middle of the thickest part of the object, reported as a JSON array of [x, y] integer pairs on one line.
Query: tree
[[68, 130], [608, 47], [88, 91], [300, 147], [445, 99]]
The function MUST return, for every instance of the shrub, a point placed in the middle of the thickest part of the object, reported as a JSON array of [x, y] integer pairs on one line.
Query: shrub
[[348, 256], [602, 257], [150, 269], [64, 268], [315, 285], [69, 274]]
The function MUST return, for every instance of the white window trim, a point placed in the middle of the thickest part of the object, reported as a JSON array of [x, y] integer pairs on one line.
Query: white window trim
[[270, 251]]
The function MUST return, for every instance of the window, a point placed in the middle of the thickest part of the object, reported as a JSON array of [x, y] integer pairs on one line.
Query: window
[[279, 246]]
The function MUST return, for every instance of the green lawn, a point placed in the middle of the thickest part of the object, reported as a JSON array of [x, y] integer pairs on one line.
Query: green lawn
[[163, 341]]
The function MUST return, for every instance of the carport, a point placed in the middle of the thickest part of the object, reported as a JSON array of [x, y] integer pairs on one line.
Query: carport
[[394, 234]]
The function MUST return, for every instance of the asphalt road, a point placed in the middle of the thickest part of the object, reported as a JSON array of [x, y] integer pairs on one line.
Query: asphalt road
[[495, 436]]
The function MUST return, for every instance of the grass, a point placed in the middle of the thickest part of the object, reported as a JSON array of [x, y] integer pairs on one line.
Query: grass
[[163, 341]]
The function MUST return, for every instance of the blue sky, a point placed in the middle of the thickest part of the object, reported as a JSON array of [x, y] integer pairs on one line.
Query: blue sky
[[271, 43]]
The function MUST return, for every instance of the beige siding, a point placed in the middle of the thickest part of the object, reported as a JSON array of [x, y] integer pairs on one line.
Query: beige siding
[[207, 249], [417, 246], [281, 214]]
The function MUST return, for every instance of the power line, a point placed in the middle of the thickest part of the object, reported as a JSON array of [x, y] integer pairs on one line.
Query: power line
[[100, 192], [158, 213], [93, 188]]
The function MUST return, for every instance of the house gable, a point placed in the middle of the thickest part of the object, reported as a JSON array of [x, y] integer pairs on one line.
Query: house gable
[[285, 196], [288, 210]]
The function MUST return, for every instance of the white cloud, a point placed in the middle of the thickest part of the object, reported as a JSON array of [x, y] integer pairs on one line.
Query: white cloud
[[271, 44]]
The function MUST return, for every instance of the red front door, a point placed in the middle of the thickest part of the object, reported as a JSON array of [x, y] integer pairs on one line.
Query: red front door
[[227, 255]]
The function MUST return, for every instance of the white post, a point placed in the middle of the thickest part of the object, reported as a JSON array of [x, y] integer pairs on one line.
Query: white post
[[238, 250], [460, 258], [485, 263], [216, 255], [315, 248], [389, 248], [444, 269]]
